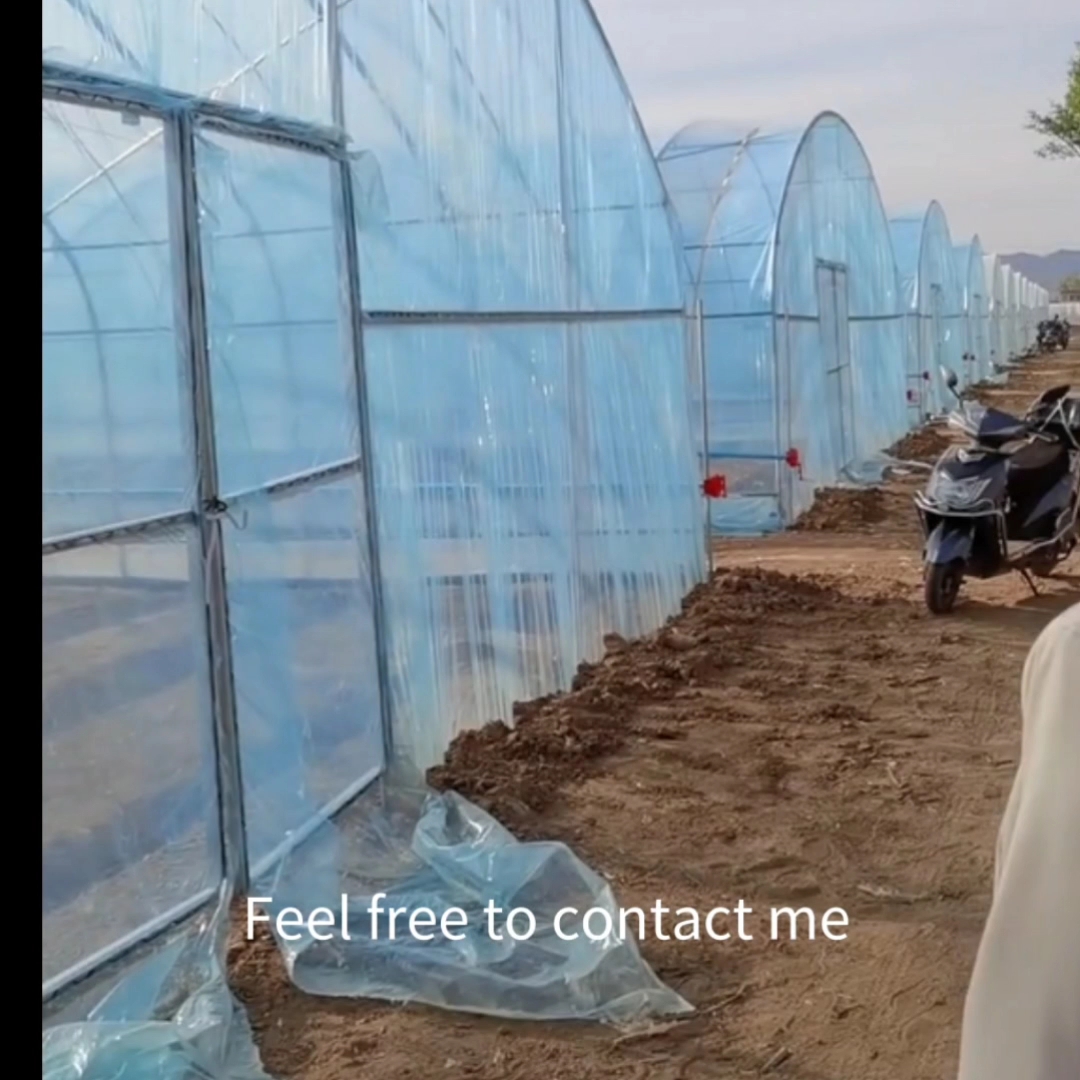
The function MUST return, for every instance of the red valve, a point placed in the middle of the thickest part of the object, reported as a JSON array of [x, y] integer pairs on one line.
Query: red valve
[[715, 487], [794, 460]]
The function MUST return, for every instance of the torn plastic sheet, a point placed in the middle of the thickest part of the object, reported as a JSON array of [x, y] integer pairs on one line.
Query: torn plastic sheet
[[170, 1017], [438, 851]]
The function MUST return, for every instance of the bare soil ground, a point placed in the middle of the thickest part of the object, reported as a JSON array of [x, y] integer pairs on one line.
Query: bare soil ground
[[805, 734]]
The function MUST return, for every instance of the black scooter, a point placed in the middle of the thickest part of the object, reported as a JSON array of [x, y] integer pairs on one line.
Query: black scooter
[[1016, 483], [1052, 334]]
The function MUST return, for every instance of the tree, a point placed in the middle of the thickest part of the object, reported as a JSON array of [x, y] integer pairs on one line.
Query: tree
[[1061, 125], [1070, 285]]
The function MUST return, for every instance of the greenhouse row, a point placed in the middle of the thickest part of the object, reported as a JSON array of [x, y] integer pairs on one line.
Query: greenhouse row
[[383, 364]]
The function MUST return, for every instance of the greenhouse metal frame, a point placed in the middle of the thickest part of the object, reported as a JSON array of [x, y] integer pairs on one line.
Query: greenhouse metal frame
[[627, 558]]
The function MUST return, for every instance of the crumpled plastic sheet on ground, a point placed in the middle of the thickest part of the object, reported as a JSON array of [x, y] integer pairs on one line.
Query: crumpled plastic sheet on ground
[[438, 851], [171, 1017]]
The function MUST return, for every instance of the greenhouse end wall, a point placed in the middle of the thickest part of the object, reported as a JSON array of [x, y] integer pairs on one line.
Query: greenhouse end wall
[[970, 270], [792, 275], [366, 414], [935, 308]]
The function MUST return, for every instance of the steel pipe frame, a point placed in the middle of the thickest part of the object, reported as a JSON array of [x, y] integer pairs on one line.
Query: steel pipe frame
[[60, 82], [161, 523], [439, 318], [349, 277]]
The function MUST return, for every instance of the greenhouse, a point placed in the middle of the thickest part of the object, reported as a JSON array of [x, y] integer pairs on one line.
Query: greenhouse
[[1014, 291], [365, 415], [995, 293], [799, 332], [933, 297], [969, 268]]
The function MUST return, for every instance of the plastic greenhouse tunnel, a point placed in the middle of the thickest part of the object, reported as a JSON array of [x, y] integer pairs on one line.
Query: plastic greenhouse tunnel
[[934, 302], [793, 283], [366, 414]]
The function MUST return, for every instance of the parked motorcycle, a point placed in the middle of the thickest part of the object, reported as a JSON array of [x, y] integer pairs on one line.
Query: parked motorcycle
[[1053, 334], [1016, 483]]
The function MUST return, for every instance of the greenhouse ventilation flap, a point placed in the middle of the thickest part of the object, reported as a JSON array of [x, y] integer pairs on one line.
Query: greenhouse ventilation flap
[[792, 277], [365, 414]]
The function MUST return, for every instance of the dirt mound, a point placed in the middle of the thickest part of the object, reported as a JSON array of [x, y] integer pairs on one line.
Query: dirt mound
[[514, 772], [844, 510], [926, 444]]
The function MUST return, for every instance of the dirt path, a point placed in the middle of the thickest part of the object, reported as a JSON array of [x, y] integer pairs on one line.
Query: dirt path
[[808, 736]]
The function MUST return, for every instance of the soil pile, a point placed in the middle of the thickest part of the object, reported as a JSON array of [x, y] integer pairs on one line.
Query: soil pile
[[515, 772], [927, 444], [844, 510]]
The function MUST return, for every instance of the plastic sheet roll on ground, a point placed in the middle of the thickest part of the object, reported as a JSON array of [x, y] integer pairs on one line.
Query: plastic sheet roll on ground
[[169, 1017], [438, 851]]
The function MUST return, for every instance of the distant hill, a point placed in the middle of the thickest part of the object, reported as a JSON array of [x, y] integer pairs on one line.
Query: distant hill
[[1045, 270]]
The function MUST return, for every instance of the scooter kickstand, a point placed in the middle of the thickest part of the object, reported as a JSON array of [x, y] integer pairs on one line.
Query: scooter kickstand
[[1031, 583]]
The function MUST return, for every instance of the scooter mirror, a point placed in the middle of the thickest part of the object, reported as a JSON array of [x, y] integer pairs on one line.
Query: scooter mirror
[[951, 381]]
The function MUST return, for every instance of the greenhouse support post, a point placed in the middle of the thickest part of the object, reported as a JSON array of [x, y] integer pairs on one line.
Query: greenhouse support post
[[576, 383], [349, 257], [699, 332], [191, 322]]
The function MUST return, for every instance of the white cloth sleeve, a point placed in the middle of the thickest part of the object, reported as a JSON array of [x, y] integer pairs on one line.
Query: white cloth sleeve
[[1022, 1014]]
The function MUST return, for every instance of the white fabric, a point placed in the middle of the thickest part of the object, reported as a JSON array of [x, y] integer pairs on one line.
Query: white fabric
[[1022, 1015]]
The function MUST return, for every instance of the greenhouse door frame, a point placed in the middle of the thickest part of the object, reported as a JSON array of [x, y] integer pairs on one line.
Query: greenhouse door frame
[[937, 339], [182, 116], [835, 322]]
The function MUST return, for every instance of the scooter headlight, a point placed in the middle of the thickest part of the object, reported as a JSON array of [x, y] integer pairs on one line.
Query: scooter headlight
[[956, 494]]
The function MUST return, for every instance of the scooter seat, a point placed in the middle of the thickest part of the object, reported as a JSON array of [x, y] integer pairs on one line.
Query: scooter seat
[[1038, 455], [1034, 469]]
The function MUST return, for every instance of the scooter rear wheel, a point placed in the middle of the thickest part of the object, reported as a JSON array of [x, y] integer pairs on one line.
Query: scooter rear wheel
[[942, 586]]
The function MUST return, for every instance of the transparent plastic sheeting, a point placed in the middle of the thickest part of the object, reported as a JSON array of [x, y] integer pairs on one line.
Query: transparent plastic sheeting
[[788, 251], [536, 477], [482, 130], [438, 851], [934, 301], [171, 1016], [969, 269]]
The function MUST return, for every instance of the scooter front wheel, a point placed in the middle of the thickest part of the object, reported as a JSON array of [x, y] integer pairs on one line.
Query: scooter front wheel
[[942, 586]]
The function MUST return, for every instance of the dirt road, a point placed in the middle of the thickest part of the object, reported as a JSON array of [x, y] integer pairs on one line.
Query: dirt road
[[810, 736]]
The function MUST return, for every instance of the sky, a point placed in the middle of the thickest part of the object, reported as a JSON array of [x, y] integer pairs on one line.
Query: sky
[[938, 92]]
